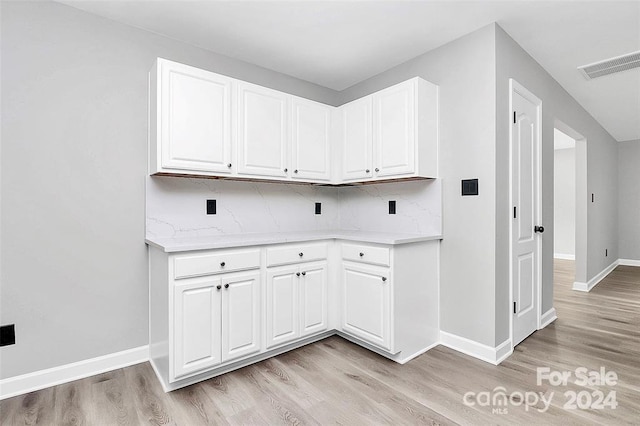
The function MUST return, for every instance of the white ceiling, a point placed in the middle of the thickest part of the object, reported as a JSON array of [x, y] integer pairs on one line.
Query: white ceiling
[[339, 43]]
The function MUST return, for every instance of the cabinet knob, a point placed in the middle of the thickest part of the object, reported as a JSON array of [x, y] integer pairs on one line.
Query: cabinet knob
[[227, 285], [218, 286], [222, 264], [383, 279], [286, 170], [304, 273], [301, 254], [295, 171], [361, 254], [377, 169], [297, 274], [367, 171], [229, 165]]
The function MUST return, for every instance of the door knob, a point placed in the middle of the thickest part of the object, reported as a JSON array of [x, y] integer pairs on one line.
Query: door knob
[[367, 171], [222, 264], [361, 254], [286, 170], [377, 169], [297, 274], [218, 286], [304, 273], [301, 254], [384, 278], [539, 229], [229, 165], [226, 286]]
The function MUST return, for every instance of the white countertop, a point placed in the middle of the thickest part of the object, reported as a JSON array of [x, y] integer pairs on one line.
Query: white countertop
[[170, 245]]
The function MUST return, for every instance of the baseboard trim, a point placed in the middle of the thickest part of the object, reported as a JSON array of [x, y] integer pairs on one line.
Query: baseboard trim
[[547, 318], [492, 355], [629, 262], [41, 379], [564, 256], [586, 287]]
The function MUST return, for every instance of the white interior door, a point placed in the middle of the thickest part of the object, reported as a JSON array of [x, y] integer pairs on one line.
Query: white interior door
[[525, 235]]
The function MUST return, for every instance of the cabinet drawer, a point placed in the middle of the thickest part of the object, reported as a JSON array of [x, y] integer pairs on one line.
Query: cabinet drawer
[[193, 265], [366, 254], [296, 253]]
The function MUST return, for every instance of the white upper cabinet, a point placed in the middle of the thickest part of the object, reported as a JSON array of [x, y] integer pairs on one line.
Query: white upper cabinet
[[391, 134], [192, 114], [355, 132], [206, 124], [394, 130], [310, 140], [262, 131]]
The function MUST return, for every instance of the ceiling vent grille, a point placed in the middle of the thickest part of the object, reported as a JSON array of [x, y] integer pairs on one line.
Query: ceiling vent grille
[[610, 66]]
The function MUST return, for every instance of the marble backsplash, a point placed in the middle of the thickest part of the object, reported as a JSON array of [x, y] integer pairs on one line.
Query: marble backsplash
[[176, 207]]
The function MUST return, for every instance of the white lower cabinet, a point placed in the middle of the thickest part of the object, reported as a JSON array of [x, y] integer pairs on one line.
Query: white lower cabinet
[[367, 303], [213, 311], [215, 319], [296, 302]]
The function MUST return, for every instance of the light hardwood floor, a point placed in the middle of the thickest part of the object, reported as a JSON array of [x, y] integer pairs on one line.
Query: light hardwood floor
[[336, 382]]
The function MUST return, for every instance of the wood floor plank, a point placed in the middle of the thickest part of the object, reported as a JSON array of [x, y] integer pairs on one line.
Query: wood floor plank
[[334, 381]]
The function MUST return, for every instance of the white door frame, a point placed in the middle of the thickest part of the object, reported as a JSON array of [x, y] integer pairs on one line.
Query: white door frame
[[514, 86]]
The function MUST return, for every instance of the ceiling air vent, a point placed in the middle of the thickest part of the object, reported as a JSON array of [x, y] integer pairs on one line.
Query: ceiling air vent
[[610, 66]]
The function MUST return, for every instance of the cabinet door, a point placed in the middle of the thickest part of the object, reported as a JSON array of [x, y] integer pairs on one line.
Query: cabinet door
[[240, 314], [196, 326], [262, 131], [283, 303], [310, 140], [394, 130], [356, 139], [313, 298], [196, 119], [367, 304]]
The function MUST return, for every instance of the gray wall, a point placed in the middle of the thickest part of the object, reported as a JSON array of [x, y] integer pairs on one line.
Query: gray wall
[[629, 199], [74, 129], [602, 159], [564, 202], [465, 72]]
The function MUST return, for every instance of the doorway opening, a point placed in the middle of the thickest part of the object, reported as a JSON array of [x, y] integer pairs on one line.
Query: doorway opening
[[570, 202]]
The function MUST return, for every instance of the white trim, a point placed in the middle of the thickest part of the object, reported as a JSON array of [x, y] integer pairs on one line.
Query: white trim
[[628, 262], [37, 380], [547, 318], [564, 256], [580, 286], [477, 350]]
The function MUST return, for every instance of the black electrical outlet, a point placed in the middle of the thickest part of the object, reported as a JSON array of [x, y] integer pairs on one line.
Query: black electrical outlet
[[8, 335], [392, 207], [470, 187], [318, 208], [211, 206]]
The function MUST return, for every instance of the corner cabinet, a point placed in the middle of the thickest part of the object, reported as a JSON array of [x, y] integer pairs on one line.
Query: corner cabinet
[[209, 125], [391, 134], [390, 297]]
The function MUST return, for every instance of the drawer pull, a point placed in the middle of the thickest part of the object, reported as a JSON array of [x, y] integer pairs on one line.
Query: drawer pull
[[229, 165], [304, 273], [222, 264], [366, 171], [301, 254], [218, 287], [383, 279], [361, 254], [286, 170], [227, 285], [297, 274]]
